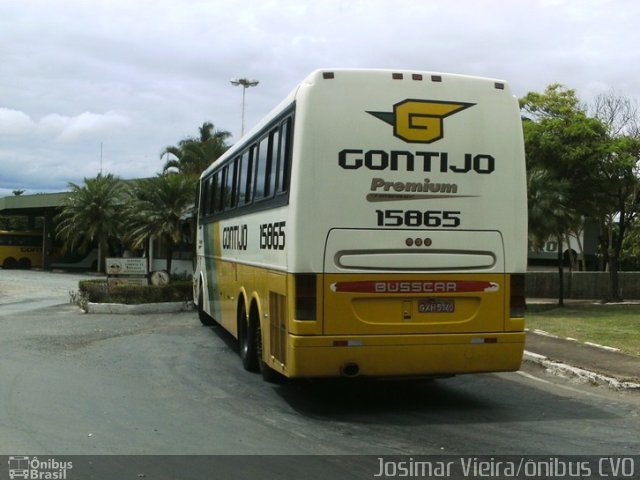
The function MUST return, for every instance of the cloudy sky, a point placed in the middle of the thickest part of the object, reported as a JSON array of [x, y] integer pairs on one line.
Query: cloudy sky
[[112, 82]]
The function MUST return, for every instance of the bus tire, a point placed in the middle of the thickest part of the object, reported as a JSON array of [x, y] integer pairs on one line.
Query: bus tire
[[24, 264], [247, 338], [9, 263], [204, 317]]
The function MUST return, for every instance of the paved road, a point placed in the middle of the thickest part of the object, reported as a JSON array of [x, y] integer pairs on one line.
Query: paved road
[[72, 383], [25, 290]]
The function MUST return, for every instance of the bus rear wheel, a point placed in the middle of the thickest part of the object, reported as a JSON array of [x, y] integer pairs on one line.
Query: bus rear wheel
[[247, 338], [24, 264], [9, 263]]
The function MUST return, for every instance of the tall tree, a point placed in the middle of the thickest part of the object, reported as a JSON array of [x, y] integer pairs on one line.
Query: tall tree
[[92, 215], [564, 148], [561, 138], [619, 169], [158, 206], [191, 156], [550, 214]]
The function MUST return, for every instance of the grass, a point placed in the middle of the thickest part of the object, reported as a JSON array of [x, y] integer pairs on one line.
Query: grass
[[614, 325]]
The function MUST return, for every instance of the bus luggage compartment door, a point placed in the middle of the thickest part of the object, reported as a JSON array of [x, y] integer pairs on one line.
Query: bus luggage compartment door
[[382, 282]]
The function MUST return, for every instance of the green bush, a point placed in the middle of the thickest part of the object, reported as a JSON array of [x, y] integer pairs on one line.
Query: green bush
[[97, 291]]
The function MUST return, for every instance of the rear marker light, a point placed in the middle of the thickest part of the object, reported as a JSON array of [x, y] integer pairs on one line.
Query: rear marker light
[[305, 297], [348, 343], [517, 297], [418, 242], [478, 341]]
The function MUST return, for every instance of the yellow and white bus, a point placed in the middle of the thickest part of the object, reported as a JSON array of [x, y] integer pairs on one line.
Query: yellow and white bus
[[20, 249], [373, 224]]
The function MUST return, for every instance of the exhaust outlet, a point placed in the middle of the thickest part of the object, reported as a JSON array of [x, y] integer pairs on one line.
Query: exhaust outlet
[[350, 370]]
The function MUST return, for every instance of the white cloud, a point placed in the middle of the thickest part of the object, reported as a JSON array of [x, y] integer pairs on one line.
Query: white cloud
[[140, 75], [60, 127], [91, 124], [14, 122]]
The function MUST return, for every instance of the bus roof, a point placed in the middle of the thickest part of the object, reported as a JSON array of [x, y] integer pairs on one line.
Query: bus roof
[[345, 73]]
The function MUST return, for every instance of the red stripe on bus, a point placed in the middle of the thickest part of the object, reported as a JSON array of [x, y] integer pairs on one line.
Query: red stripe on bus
[[415, 286]]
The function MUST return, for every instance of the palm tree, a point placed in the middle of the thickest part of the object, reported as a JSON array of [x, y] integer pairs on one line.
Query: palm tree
[[550, 214], [158, 207], [193, 155], [92, 214]]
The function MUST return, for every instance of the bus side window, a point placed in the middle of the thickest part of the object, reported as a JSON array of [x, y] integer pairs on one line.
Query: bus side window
[[205, 196], [269, 186], [230, 189], [284, 156], [251, 180], [262, 173], [244, 190], [217, 193], [223, 187]]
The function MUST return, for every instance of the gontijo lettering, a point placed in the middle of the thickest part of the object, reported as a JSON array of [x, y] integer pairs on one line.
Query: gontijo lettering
[[394, 160], [235, 237]]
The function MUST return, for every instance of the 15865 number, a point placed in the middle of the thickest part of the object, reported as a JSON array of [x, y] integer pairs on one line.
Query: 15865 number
[[272, 236], [416, 218]]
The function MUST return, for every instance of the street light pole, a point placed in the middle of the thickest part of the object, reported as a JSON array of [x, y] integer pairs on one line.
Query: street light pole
[[244, 83]]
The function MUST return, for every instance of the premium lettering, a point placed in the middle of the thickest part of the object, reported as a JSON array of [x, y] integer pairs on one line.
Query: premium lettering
[[379, 184]]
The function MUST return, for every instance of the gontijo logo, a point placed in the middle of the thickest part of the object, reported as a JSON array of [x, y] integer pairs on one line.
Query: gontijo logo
[[420, 121]]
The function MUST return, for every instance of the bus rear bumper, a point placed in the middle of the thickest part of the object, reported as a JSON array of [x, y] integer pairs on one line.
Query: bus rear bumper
[[404, 355]]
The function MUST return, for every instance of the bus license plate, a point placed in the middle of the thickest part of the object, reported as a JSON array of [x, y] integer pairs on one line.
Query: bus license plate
[[433, 305]]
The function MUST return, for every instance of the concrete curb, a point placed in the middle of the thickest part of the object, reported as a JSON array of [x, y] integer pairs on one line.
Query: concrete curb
[[579, 374], [143, 308], [570, 339]]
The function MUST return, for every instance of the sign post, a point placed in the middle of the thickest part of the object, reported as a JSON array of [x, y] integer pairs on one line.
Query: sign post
[[127, 271]]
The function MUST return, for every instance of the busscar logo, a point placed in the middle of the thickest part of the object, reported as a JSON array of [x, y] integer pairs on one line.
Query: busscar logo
[[420, 121]]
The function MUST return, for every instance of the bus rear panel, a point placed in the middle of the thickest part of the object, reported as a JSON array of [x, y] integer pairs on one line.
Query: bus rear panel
[[401, 248]]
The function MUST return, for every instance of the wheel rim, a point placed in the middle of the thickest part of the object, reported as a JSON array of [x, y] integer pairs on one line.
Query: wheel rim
[[244, 342], [259, 343]]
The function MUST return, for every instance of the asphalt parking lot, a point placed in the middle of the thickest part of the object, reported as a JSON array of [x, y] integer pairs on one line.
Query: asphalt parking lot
[[26, 290], [162, 384]]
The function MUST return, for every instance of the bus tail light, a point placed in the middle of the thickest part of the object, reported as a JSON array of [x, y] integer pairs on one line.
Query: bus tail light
[[306, 297], [517, 300]]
